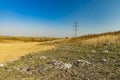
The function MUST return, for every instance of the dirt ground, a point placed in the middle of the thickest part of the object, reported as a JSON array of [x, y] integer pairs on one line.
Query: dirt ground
[[12, 51]]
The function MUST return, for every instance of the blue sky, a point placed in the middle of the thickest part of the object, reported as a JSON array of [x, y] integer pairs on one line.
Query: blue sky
[[55, 18]]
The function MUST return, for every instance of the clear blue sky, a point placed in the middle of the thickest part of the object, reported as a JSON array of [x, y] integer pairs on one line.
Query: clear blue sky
[[55, 18]]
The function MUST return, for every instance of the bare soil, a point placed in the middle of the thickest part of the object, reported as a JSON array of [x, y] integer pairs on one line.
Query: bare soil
[[12, 51]]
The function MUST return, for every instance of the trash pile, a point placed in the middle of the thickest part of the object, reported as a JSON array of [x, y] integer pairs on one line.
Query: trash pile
[[82, 62], [60, 64]]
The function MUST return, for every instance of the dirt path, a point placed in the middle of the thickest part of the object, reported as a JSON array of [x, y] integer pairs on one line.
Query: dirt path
[[9, 52]]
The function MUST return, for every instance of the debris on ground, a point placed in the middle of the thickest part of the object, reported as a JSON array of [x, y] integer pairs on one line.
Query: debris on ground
[[105, 51], [67, 65], [102, 60], [60, 64], [82, 62], [1, 65], [25, 69], [93, 51], [43, 57], [117, 65]]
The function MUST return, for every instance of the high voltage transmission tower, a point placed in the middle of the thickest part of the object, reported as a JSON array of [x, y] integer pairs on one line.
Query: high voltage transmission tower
[[76, 28]]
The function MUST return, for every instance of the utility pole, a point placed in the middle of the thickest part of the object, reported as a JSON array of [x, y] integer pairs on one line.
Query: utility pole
[[76, 28]]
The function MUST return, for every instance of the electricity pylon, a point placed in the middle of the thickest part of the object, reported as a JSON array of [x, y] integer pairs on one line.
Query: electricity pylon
[[76, 28]]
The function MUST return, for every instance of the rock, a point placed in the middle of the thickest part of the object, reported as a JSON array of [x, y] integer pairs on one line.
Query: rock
[[105, 51], [88, 56], [25, 69], [117, 65], [83, 76], [1, 65], [54, 62], [67, 66], [103, 60], [82, 61], [60, 65], [93, 51], [43, 57]]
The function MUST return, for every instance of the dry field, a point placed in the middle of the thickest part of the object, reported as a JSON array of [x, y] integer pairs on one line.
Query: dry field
[[91, 57], [12, 51]]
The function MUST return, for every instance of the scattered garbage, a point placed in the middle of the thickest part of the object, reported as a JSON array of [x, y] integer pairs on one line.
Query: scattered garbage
[[117, 65], [1, 65], [60, 65], [93, 51], [105, 51], [82, 61], [25, 69], [54, 62], [43, 57], [67, 65], [103, 60]]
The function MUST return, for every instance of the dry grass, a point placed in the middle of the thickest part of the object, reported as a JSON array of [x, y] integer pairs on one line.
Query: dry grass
[[96, 39], [33, 67], [102, 40], [12, 51], [26, 39]]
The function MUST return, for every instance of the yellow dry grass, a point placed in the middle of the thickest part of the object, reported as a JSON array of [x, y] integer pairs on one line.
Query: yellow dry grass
[[102, 39], [12, 51]]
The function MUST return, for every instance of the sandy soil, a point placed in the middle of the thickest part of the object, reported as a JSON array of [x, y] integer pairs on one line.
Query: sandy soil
[[12, 51]]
